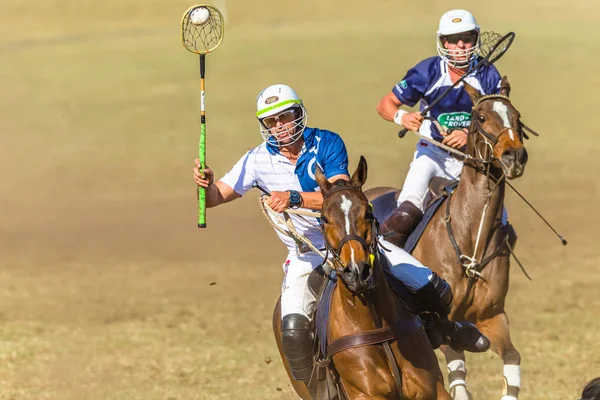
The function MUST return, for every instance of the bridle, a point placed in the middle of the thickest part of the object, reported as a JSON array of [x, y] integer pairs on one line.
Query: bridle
[[370, 249], [472, 265], [489, 140]]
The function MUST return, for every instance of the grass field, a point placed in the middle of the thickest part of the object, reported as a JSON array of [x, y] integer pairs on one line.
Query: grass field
[[107, 288]]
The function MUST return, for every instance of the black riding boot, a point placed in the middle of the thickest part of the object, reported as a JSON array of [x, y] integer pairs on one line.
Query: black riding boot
[[399, 225], [436, 297], [296, 338]]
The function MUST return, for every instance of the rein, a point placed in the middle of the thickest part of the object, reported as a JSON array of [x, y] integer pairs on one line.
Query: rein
[[335, 253], [382, 335], [473, 267]]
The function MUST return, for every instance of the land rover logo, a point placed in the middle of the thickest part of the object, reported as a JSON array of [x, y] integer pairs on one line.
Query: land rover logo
[[457, 20], [271, 99], [455, 120], [403, 84]]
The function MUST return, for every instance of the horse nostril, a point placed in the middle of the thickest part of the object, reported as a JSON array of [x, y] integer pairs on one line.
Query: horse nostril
[[508, 157], [522, 155], [366, 271]]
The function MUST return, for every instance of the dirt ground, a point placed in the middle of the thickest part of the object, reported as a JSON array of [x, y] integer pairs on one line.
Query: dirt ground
[[107, 288]]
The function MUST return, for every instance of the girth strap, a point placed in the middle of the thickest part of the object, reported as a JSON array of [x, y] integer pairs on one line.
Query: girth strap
[[376, 336]]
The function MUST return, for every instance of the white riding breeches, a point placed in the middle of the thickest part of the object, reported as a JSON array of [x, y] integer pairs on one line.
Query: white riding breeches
[[405, 267], [429, 161], [296, 298]]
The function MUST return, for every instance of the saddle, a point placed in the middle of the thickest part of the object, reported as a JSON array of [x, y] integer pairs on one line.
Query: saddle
[[324, 382], [439, 188]]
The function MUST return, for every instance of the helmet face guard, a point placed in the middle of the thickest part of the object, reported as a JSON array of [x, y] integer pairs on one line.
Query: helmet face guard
[[281, 115], [456, 26], [292, 124], [459, 58]]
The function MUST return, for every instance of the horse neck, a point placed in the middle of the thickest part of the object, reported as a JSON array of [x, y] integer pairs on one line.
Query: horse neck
[[469, 205], [382, 299]]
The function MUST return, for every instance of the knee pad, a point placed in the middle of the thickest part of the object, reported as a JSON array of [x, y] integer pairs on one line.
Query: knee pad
[[297, 342]]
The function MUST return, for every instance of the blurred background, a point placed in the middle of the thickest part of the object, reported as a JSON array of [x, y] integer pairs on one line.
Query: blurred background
[[107, 288]]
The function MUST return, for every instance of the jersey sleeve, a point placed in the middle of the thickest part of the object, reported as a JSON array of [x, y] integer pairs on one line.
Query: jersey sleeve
[[334, 160], [491, 81], [413, 87], [241, 177]]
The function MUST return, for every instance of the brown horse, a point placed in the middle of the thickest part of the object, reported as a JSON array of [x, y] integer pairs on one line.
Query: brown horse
[[376, 347], [465, 242]]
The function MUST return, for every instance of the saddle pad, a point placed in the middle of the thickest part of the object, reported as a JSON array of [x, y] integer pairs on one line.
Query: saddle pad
[[322, 317], [384, 205], [414, 237]]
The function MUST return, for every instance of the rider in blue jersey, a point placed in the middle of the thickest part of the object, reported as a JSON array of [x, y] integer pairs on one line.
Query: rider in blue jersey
[[458, 42]]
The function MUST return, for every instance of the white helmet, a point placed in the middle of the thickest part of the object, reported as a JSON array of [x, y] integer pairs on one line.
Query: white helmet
[[451, 23], [274, 100]]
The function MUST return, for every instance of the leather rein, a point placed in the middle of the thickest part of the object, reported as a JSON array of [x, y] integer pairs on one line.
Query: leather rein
[[473, 268], [382, 334]]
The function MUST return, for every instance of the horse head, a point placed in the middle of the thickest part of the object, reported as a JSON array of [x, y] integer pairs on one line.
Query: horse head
[[348, 227], [496, 133]]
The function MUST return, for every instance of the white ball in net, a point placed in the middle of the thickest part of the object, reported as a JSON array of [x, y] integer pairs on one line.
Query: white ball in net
[[199, 16]]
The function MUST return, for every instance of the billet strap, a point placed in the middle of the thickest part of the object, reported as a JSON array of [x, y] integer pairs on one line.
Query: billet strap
[[393, 364], [376, 336]]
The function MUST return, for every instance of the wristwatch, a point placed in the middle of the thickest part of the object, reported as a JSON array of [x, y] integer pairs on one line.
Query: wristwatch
[[295, 199]]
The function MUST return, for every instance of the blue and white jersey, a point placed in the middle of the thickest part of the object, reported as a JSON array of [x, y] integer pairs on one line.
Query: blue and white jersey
[[430, 78], [273, 171]]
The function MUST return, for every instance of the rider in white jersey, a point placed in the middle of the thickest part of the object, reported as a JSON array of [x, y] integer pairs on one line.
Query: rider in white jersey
[[284, 165], [457, 45]]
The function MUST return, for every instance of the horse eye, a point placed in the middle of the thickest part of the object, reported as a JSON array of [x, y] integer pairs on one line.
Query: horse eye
[[481, 118]]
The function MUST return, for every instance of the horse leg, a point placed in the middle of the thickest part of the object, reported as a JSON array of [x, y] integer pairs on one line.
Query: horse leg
[[299, 386], [457, 373], [497, 330]]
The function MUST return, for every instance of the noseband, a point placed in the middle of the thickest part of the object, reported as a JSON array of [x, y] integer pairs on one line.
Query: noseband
[[490, 140], [370, 249]]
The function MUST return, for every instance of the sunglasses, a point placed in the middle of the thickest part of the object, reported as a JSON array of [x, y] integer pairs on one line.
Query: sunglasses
[[464, 37], [285, 117]]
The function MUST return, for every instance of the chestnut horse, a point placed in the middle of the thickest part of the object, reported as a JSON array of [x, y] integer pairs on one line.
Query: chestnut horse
[[466, 243], [376, 347]]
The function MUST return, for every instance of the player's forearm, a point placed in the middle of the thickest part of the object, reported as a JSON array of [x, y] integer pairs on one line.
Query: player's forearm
[[312, 200], [213, 196], [388, 106]]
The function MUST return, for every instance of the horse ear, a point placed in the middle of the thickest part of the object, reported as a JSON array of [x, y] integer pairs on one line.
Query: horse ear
[[472, 92], [324, 184], [505, 87], [359, 177]]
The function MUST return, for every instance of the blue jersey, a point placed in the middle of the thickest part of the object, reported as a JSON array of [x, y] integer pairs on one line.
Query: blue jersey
[[430, 78], [273, 171]]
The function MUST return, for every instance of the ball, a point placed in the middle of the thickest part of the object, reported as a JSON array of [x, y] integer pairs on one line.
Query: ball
[[199, 16]]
